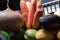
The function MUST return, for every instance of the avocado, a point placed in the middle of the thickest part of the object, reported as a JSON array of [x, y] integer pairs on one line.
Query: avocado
[[14, 4], [50, 22], [3, 5]]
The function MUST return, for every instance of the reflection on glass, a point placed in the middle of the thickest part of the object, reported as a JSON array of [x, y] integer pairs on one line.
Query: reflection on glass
[[45, 11], [49, 9], [53, 8], [57, 6]]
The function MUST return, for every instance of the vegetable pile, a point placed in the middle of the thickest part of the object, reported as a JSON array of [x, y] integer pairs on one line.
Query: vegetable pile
[[31, 23]]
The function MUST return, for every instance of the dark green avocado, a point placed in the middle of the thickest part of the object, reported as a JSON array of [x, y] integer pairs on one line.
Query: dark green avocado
[[50, 22], [3, 5]]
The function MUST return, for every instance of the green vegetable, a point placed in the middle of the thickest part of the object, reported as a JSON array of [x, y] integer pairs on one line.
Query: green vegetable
[[30, 34], [5, 34]]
